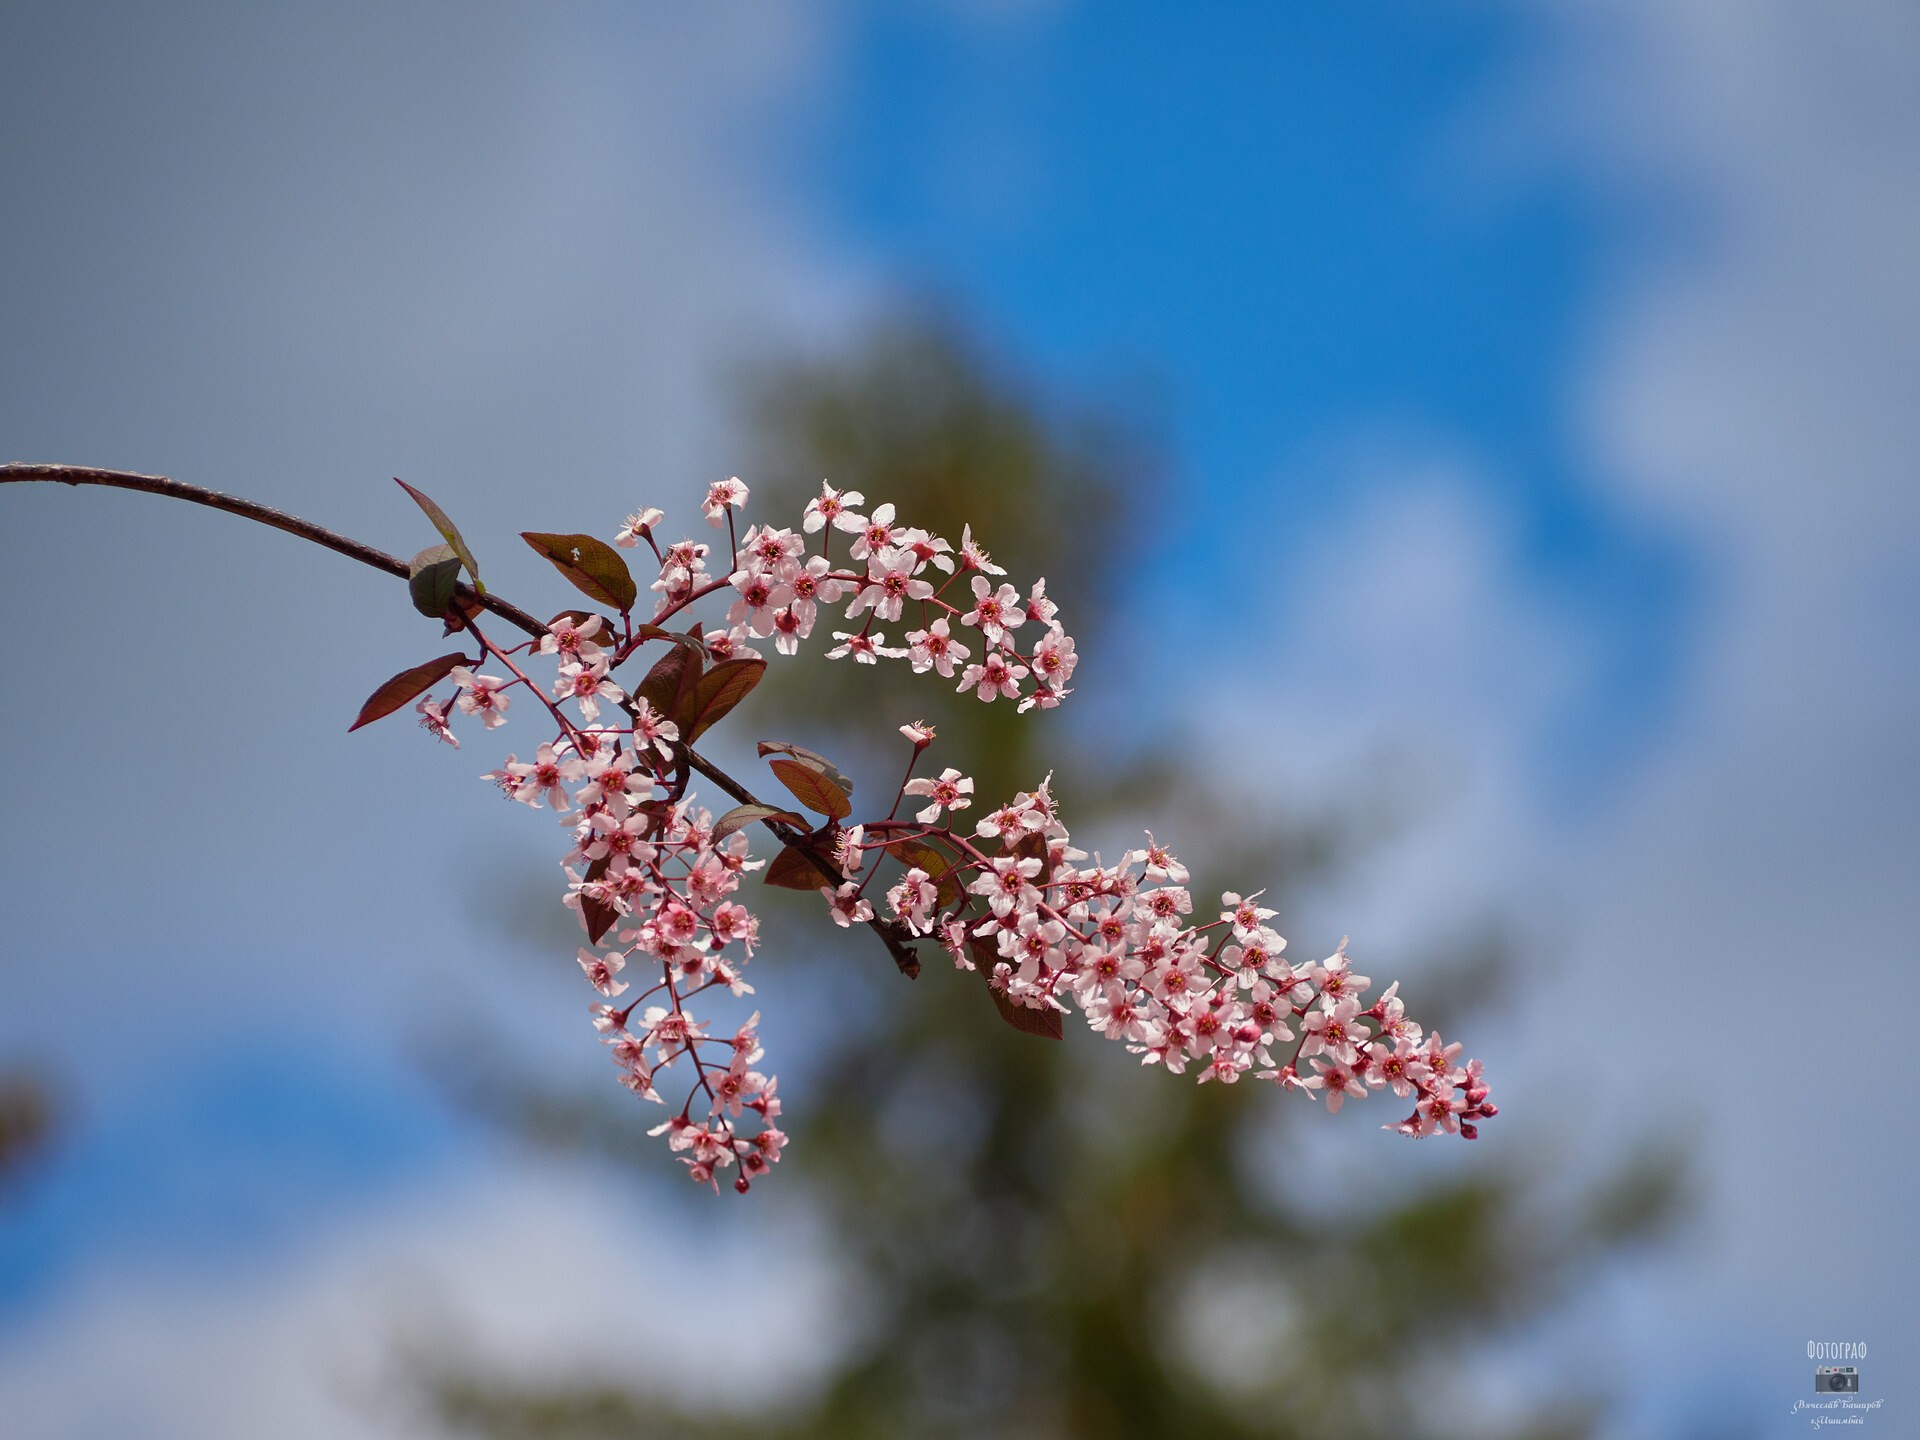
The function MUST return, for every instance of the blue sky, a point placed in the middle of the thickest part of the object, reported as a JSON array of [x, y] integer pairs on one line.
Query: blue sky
[[1537, 386]]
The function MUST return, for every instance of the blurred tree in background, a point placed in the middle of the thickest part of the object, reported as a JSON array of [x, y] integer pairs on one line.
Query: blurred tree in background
[[1046, 1241], [26, 1126]]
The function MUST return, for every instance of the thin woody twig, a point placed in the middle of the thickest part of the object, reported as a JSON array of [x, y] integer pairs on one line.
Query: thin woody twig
[[252, 510], [16, 473]]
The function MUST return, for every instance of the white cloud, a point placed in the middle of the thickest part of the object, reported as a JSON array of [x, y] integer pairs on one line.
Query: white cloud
[[543, 1277]]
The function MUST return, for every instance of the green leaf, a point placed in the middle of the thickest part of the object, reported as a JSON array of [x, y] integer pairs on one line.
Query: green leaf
[[407, 685], [448, 532], [670, 684], [795, 869], [742, 816], [719, 690], [432, 578], [809, 758], [813, 789], [593, 566]]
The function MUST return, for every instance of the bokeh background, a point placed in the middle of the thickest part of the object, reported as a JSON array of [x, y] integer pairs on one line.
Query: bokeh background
[[1477, 442]]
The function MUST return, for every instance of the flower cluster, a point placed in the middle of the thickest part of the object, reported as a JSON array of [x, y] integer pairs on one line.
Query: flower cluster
[[656, 887], [655, 880], [889, 576], [1122, 945]]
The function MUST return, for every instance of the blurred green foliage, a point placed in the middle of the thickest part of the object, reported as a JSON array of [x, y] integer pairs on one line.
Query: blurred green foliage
[[1044, 1240]]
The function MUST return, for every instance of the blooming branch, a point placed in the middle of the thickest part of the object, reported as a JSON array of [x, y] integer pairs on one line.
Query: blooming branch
[[656, 879]]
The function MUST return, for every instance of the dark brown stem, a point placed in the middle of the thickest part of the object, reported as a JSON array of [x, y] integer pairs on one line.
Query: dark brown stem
[[889, 932], [250, 510]]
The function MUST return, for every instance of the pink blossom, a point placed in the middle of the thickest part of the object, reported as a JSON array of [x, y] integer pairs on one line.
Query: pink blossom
[[638, 527], [722, 496], [846, 851], [681, 568], [573, 641], [994, 612], [846, 906], [993, 676], [972, 557], [912, 900], [759, 598], [952, 791], [865, 648], [433, 719], [934, 648], [890, 584], [1040, 609], [833, 507], [815, 584], [649, 728], [876, 534], [587, 685], [601, 970], [481, 695]]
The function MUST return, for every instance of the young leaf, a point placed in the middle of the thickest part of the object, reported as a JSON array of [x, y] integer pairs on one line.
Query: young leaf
[[671, 682], [1044, 1023], [593, 566], [599, 915], [939, 869], [719, 690], [432, 578], [407, 685], [812, 789], [742, 816], [794, 869], [448, 531], [809, 758]]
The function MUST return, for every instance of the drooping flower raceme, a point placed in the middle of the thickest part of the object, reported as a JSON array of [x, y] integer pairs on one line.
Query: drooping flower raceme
[[656, 879]]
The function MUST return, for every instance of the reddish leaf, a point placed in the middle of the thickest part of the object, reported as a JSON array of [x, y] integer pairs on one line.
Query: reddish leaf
[[914, 851], [593, 566], [807, 757], [1032, 845], [813, 789], [795, 869], [719, 690], [599, 915], [448, 531], [742, 816], [671, 682], [1044, 1023], [407, 685]]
